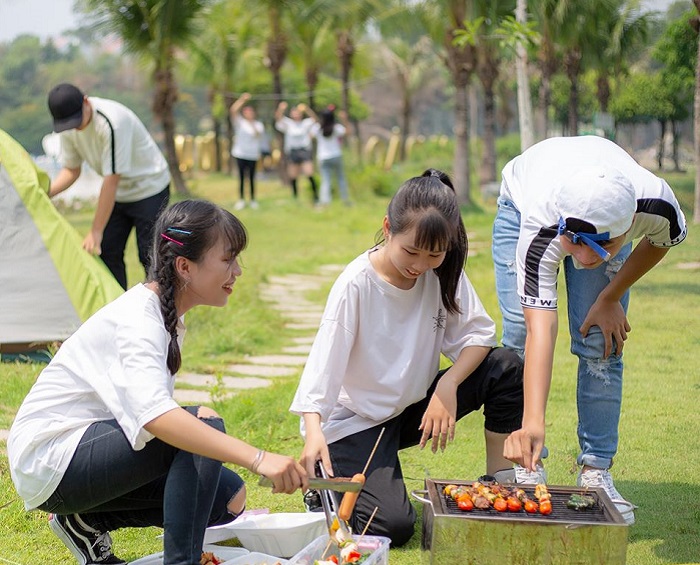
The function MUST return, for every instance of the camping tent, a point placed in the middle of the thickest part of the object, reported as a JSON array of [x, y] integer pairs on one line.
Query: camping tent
[[48, 284]]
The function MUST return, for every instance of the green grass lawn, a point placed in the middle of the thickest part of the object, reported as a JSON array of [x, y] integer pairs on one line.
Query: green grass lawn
[[658, 462]]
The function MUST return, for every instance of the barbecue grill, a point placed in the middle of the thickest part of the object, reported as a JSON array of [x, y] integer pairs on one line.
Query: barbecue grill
[[487, 537]]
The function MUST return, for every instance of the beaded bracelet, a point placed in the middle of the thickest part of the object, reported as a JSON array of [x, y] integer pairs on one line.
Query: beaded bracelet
[[256, 462]]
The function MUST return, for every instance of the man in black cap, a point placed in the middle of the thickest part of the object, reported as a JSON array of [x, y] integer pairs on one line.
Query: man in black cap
[[112, 140]]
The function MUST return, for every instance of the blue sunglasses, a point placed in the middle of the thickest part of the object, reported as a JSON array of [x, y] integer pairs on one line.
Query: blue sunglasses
[[590, 239]]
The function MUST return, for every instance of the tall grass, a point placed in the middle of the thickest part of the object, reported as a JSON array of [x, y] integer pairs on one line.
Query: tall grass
[[657, 463]]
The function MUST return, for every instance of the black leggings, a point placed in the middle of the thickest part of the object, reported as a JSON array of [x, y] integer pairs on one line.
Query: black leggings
[[496, 385], [246, 167]]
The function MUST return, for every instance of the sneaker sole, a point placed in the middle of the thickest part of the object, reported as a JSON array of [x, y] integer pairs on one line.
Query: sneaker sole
[[62, 534]]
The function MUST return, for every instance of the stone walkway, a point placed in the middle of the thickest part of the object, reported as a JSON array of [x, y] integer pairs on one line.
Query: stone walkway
[[287, 294]]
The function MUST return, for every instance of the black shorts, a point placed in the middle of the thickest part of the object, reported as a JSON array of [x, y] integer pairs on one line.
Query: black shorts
[[300, 155]]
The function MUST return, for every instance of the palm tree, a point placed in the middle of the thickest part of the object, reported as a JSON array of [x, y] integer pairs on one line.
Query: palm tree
[[219, 57], [443, 19], [410, 63], [311, 42], [154, 29]]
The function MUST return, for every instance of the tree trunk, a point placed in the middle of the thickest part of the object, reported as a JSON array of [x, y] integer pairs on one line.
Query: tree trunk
[[228, 102], [547, 62], [405, 118], [311, 82], [527, 133], [461, 161], [164, 100], [675, 134], [345, 50], [572, 64], [662, 140], [218, 165], [488, 160]]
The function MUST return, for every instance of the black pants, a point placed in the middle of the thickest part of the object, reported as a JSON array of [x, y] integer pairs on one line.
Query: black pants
[[140, 215], [496, 384], [246, 167]]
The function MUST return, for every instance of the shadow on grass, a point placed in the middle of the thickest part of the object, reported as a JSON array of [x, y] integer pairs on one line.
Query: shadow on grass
[[668, 513]]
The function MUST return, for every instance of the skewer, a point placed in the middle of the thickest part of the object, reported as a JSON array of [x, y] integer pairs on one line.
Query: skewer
[[376, 444], [367, 524], [328, 546]]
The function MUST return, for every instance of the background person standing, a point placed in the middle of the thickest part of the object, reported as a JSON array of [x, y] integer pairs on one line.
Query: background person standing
[[297, 143], [247, 146], [111, 138]]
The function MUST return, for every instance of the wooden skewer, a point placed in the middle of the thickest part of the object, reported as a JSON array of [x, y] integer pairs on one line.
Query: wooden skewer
[[376, 444], [367, 524], [328, 546]]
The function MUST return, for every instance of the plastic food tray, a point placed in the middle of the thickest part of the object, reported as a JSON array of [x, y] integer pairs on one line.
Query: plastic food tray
[[282, 534], [377, 545], [255, 558], [221, 551]]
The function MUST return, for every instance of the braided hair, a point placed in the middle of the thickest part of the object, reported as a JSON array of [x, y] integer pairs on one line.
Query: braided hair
[[430, 204], [187, 229]]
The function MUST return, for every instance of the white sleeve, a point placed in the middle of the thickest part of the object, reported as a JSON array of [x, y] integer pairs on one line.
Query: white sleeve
[[69, 156], [325, 368], [471, 327], [142, 381]]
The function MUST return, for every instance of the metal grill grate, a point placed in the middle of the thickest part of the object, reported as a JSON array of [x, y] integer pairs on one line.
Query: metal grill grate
[[600, 513]]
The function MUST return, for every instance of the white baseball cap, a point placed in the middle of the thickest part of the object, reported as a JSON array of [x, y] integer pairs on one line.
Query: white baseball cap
[[599, 195]]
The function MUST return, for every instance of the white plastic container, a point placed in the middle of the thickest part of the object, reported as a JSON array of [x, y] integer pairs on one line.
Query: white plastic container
[[281, 535], [255, 558], [377, 546], [221, 551]]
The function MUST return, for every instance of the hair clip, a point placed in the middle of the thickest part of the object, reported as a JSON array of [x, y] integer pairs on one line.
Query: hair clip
[[171, 239], [179, 231]]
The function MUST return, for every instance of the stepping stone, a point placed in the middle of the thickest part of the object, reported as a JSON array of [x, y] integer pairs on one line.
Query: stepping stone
[[331, 269], [688, 266], [189, 396], [301, 349], [301, 326], [300, 307], [303, 340], [4, 434], [263, 370], [292, 360], [239, 383]]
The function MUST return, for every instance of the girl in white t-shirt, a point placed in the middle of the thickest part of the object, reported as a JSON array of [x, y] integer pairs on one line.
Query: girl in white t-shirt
[[329, 134], [375, 361], [298, 149], [247, 146], [100, 442]]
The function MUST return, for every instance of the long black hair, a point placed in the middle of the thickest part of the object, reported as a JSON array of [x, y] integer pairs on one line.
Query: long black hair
[[430, 204], [327, 121], [187, 229]]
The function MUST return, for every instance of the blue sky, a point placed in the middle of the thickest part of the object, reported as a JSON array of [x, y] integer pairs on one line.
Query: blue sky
[[47, 18]]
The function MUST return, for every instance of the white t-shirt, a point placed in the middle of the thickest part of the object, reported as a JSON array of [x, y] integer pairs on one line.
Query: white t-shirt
[[529, 181], [247, 143], [378, 347], [296, 133], [113, 366], [328, 147], [116, 142]]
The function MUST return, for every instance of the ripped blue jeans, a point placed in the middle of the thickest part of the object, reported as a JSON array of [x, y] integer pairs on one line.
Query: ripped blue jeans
[[599, 385]]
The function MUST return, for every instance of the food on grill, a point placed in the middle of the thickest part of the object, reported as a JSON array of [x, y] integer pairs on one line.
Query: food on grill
[[484, 496], [208, 558], [580, 501]]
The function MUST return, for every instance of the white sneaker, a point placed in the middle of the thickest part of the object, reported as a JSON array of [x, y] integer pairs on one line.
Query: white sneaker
[[536, 477], [239, 205], [521, 475], [601, 478], [254, 204]]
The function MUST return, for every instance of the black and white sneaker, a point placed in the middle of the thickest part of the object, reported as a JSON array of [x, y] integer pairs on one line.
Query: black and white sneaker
[[90, 546], [312, 501]]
